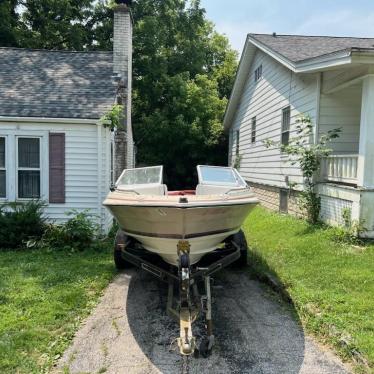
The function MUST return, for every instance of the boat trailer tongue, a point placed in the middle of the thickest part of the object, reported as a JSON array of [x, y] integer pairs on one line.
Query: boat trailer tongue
[[190, 303]]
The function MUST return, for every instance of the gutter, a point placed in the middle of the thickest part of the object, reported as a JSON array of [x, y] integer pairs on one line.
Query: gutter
[[92, 121]]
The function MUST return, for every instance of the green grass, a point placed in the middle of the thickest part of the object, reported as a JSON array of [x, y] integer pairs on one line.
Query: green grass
[[43, 297], [330, 284]]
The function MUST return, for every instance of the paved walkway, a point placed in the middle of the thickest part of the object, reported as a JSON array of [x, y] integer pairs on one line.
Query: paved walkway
[[129, 332]]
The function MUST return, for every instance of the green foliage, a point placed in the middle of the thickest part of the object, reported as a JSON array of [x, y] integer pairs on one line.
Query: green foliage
[[50, 24], [183, 73], [19, 222], [330, 284], [350, 232], [113, 231], [77, 233], [303, 151], [9, 25], [347, 217], [113, 118], [237, 161], [310, 202]]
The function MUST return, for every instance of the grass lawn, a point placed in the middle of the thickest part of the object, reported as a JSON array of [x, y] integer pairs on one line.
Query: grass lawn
[[331, 284], [43, 297]]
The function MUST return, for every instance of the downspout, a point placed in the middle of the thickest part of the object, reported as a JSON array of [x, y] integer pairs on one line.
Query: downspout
[[317, 179], [99, 174], [318, 104]]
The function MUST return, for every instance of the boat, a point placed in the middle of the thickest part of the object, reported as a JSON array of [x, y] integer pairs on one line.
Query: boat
[[160, 219]]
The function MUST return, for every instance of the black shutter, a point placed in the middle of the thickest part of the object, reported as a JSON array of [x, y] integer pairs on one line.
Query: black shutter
[[57, 168]]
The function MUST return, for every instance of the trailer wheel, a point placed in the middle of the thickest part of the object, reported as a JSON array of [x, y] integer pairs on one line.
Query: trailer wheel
[[121, 240], [241, 241]]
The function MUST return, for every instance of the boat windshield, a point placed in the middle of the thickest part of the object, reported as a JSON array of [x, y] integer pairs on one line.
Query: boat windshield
[[148, 175], [215, 175]]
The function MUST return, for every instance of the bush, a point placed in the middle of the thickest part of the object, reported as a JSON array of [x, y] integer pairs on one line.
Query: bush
[[19, 222], [78, 232]]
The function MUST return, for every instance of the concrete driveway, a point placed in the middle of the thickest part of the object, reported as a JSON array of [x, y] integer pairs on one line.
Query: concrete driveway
[[129, 332]]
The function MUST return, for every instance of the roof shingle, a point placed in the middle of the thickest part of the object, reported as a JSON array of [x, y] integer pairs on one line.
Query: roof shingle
[[298, 48], [55, 84]]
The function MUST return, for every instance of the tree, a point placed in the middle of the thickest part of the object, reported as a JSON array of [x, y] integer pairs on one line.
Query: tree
[[9, 24], [183, 71]]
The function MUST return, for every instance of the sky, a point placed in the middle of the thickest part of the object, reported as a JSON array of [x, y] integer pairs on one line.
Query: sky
[[237, 18]]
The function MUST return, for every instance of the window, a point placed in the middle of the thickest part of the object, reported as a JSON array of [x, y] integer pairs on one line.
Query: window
[[286, 121], [258, 73], [237, 142], [2, 169], [253, 130], [28, 172]]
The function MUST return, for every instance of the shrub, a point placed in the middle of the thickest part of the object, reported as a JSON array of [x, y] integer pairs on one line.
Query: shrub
[[19, 222], [78, 232]]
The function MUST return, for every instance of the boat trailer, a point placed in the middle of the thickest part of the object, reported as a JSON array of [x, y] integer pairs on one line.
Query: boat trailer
[[191, 302]]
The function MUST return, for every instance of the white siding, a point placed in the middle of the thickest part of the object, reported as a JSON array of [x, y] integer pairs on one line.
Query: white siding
[[341, 109], [84, 147], [277, 89]]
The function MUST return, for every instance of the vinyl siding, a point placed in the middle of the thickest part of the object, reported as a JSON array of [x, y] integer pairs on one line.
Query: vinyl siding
[[83, 145], [265, 99], [341, 109]]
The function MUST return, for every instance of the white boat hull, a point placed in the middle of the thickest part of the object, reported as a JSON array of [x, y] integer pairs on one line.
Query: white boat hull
[[159, 228]]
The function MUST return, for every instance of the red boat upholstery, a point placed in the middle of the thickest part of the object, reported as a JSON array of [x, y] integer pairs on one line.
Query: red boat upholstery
[[182, 193]]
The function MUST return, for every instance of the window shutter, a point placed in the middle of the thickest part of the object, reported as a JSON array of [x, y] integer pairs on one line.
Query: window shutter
[[57, 168]]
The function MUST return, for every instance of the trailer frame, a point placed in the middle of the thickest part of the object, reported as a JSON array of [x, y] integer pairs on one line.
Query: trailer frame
[[190, 303]]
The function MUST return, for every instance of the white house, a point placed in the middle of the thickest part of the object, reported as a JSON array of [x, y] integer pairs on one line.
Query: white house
[[52, 144], [332, 80]]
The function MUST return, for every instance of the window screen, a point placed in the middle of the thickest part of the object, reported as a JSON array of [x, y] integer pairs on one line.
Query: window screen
[[258, 73], [237, 142], [286, 122], [253, 130], [28, 168]]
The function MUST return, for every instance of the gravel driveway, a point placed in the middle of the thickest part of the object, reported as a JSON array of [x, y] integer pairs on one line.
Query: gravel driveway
[[129, 332]]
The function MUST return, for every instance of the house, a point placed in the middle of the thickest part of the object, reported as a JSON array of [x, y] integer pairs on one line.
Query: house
[[53, 145], [281, 77]]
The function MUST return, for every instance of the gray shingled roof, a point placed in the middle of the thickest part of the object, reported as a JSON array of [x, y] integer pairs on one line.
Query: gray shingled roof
[[298, 48], [55, 84]]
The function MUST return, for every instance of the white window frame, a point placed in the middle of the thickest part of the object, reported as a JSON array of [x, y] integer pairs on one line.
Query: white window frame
[[11, 135], [4, 198], [29, 169]]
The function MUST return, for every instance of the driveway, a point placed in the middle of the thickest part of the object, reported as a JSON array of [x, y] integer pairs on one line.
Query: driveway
[[129, 332]]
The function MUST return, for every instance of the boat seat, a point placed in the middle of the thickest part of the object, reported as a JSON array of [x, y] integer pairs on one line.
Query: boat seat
[[182, 193]]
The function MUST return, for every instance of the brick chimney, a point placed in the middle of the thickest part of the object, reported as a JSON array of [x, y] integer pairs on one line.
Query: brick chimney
[[122, 67]]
